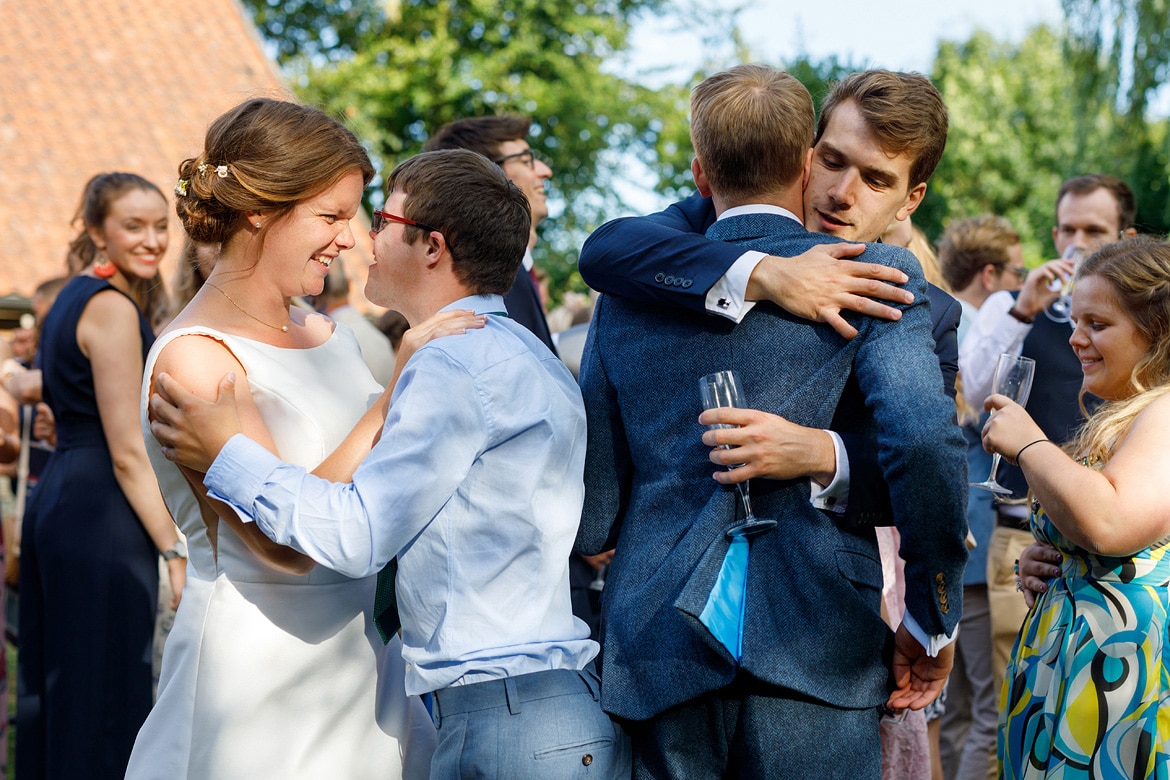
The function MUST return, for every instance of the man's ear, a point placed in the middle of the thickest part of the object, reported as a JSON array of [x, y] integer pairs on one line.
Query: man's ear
[[436, 249], [1129, 232], [988, 275], [807, 172], [913, 201], [700, 178]]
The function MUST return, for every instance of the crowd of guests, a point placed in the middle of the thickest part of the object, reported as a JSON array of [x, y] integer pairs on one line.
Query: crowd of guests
[[424, 546]]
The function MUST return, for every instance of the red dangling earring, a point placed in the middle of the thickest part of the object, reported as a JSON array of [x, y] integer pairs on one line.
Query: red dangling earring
[[103, 268]]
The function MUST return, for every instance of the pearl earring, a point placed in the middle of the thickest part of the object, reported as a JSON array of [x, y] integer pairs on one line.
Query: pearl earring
[[257, 224]]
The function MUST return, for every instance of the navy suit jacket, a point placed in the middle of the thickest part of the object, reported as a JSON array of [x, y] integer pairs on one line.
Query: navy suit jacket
[[523, 305], [813, 620], [664, 258]]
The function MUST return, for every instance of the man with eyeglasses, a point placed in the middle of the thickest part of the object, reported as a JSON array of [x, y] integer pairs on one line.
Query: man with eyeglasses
[[502, 139], [1091, 211], [979, 256]]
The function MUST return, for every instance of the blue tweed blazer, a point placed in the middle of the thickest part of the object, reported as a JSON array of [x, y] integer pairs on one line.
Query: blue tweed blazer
[[813, 620]]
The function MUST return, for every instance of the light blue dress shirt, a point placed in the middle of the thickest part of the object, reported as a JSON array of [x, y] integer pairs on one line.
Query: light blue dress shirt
[[476, 485]]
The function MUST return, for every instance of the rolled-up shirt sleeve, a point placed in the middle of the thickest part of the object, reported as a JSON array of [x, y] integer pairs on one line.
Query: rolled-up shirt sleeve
[[427, 447]]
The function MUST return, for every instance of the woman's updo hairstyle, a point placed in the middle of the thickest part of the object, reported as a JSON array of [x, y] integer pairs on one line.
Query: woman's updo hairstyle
[[263, 155]]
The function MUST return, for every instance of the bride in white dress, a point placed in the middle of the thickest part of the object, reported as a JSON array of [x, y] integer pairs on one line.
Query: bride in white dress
[[274, 667]]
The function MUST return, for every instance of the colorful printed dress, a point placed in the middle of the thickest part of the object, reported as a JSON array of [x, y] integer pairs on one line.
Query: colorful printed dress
[[1087, 693]]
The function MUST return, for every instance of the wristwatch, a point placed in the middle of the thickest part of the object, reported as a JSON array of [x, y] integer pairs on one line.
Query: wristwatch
[[176, 550], [1019, 316]]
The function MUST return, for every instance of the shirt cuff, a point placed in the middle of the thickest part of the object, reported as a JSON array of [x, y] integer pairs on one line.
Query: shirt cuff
[[726, 296], [932, 644], [238, 474], [834, 497]]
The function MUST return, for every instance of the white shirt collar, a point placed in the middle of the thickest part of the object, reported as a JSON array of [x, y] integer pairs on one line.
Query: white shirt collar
[[759, 208]]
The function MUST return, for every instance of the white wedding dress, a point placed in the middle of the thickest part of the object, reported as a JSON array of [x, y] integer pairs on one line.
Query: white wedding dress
[[271, 675]]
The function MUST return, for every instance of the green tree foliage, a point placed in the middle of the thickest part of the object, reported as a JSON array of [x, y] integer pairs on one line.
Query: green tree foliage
[[1011, 142], [398, 71], [1119, 54], [1024, 117], [1023, 121], [316, 29]]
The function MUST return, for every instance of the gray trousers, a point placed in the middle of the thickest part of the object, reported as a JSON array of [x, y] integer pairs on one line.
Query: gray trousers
[[540, 725]]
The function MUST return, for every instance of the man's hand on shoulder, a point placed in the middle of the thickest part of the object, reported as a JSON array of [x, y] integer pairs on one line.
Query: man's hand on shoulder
[[824, 282], [191, 430]]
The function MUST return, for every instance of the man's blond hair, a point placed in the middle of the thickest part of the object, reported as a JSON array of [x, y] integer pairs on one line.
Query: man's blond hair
[[751, 127]]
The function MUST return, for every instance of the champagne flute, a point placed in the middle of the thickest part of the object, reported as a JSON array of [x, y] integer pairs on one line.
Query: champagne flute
[[1060, 310], [1013, 378], [721, 390]]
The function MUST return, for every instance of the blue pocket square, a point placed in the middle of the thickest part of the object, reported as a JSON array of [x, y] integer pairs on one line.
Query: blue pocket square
[[723, 612]]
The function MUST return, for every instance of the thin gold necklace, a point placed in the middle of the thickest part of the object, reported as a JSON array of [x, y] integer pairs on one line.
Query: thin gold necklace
[[281, 328]]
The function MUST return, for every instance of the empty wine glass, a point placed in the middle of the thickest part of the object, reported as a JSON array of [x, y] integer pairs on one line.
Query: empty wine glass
[[1060, 310], [721, 390], [1013, 378]]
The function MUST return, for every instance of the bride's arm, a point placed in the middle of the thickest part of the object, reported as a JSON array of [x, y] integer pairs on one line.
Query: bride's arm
[[193, 416], [198, 362], [343, 461]]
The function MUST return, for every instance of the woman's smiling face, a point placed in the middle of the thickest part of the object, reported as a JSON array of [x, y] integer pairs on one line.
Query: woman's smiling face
[[1105, 339]]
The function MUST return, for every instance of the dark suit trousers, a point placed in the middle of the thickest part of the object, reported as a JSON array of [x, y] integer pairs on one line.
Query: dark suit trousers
[[753, 730]]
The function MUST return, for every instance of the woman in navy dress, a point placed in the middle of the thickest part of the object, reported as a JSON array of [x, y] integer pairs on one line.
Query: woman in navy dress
[[97, 523]]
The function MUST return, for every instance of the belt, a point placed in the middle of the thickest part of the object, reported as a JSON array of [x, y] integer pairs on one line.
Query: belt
[[1004, 520], [512, 692]]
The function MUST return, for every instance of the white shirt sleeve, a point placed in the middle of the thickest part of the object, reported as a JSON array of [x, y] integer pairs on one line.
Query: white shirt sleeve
[[726, 296], [932, 644], [834, 497], [993, 333]]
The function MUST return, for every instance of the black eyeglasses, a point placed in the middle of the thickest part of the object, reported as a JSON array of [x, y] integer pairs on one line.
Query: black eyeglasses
[[382, 217], [528, 157], [1020, 272]]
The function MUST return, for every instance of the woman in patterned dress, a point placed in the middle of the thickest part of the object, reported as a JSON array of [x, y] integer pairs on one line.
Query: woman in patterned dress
[[1087, 694]]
